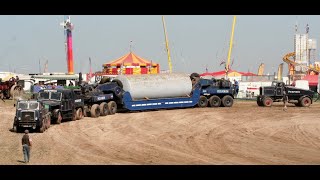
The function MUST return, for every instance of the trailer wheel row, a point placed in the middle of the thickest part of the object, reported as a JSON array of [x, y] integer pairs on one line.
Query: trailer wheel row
[[215, 101], [103, 109]]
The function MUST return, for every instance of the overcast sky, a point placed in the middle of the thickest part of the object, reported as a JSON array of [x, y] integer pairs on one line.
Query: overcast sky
[[195, 42]]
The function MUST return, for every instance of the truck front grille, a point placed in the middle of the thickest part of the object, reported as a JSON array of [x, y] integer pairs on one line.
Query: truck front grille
[[27, 116]]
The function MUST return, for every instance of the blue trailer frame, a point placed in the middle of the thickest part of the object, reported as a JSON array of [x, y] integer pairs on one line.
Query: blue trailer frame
[[165, 103]]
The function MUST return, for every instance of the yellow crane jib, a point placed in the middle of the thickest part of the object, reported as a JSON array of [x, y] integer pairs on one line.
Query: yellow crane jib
[[167, 45], [230, 47], [261, 69], [280, 71]]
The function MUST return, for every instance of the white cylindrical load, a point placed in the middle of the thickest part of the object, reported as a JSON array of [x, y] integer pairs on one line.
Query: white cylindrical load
[[156, 85]]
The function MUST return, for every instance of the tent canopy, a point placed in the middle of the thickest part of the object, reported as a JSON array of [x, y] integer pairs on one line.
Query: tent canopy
[[129, 59]]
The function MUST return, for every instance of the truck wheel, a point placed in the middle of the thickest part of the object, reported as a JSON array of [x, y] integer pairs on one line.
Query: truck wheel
[[214, 101], [112, 106], [227, 101], [104, 80], [79, 114], [85, 111], [203, 102], [305, 102], [43, 127], [267, 101], [15, 129], [48, 122], [41, 130], [59, 119], [95, 111], [104, 109], [118, 82], [259, 102], [74, 115]]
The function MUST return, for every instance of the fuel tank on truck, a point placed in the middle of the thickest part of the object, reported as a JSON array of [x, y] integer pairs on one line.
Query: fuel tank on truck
[[153, 86]]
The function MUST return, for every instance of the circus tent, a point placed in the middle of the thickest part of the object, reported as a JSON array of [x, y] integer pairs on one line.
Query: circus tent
[[130, 64]]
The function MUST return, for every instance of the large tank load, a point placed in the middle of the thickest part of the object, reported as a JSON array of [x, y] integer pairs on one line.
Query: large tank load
[[153, 86]]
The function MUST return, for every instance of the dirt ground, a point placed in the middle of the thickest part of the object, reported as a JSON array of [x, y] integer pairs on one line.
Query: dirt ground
[[242, 134]]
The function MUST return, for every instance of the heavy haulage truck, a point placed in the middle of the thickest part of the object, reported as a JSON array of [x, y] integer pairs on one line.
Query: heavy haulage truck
[[98, 103], [275, 93], [31, 114], [62, 104], [167, 91]]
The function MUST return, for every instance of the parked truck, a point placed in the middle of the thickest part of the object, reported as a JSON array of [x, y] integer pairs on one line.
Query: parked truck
[[31, 114], [62, 103], [275, 93], [96, 102], [168, 90]]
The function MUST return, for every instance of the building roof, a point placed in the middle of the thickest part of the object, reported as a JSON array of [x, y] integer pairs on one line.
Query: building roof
[[232, 73]]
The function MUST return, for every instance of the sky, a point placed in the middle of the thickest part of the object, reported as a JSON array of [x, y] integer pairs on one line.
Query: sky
[[196, 42]]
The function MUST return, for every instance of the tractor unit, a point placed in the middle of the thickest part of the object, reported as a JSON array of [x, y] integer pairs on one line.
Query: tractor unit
[[276, 92]]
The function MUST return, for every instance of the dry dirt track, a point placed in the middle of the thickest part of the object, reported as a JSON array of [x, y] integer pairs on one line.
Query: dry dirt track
[[243, 134]]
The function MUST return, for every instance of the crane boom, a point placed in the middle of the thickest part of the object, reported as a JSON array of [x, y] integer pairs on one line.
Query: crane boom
[[280, 71], [261, 69], [230, 47], [167, 45]]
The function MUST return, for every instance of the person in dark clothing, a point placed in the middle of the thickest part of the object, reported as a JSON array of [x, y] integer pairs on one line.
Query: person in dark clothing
[[285, 98], [26, 145], [236, 86]]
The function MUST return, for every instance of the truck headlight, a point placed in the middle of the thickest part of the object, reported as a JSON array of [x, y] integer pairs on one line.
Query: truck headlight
[[36, 118], [19, 118]]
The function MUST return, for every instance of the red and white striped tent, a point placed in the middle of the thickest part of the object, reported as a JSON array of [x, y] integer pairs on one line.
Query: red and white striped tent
[[130, 64]]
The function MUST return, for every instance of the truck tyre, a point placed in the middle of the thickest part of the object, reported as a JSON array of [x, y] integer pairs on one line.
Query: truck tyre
[[214, 101], [104, 109], [104, 80], [227, 101], [267, 101], [118, 82], [41, 130], [305, 102], [95, 111], [74, 115], [112, 106], [194, 75], [79, 114], [48, 121], [203, 102], [85, 111], [43, 127], [15, 129], [259, 102], [59, 119]]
